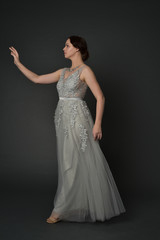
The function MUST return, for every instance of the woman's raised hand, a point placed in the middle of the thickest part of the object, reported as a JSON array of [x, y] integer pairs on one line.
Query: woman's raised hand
[[15, 54]]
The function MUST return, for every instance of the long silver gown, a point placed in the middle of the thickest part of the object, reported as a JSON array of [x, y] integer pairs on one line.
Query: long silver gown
[[86, 190]]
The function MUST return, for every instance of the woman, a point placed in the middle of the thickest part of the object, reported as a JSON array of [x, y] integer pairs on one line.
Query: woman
[[86, 188]]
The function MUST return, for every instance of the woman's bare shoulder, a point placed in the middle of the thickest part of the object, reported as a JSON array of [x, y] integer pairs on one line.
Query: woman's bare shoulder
[[86, 70], [60, 71]]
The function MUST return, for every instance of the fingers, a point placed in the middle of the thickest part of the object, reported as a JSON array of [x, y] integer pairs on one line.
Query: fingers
[[13, 50], [97, 136], [14, 53]]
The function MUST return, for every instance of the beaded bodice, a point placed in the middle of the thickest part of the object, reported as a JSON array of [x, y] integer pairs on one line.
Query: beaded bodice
[[71, 86]]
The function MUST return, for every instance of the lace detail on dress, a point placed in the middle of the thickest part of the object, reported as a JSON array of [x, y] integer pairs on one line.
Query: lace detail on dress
[[72, 86], [85, 109], [73, 112], [57, 116], [66, 131], [83, 136]]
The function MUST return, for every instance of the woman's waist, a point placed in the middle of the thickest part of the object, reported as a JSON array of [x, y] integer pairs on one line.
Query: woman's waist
[[70, 98]]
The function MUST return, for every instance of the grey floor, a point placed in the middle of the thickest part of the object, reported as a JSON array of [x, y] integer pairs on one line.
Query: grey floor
[[24, 213]]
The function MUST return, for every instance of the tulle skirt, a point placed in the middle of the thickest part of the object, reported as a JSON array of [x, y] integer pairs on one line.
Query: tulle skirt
[[86, 190]]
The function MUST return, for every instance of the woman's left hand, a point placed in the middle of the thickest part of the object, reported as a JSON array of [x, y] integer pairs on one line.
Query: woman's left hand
[[97, 132]]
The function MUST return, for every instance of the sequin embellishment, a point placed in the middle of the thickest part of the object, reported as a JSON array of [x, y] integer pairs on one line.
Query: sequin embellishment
[[66, 132], [66, 112], [73, 112], [85, 109], [83, 136], [57, 116]]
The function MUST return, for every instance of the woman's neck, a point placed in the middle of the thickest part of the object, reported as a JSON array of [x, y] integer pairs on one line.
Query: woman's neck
[[76, 63], [76, 66]]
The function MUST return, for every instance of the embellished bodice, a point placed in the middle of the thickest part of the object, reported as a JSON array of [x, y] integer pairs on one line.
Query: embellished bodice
[[72, 115], [71, 86]]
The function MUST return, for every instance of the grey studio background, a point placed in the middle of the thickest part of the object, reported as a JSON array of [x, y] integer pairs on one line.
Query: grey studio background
[[123, 41]]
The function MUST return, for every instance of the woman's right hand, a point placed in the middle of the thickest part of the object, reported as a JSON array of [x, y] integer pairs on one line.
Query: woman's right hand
[[15, 54]]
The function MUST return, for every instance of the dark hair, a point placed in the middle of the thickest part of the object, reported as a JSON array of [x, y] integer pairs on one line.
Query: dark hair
[[81, 44]]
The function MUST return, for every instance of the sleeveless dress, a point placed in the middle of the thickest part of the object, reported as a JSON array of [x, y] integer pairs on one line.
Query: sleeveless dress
[[86, 190]]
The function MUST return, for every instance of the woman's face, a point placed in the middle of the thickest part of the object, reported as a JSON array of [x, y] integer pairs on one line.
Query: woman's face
[[69, 49]]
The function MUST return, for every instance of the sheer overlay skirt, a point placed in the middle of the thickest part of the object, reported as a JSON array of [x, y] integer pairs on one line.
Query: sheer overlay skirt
[[86, 189]]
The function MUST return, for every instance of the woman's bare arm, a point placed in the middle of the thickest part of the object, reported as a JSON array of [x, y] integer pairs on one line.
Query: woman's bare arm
[[90, 78], [49, 78], [41, 79]]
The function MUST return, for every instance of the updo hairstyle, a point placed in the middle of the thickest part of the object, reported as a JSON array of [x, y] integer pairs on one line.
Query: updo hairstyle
[[81, 44]]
